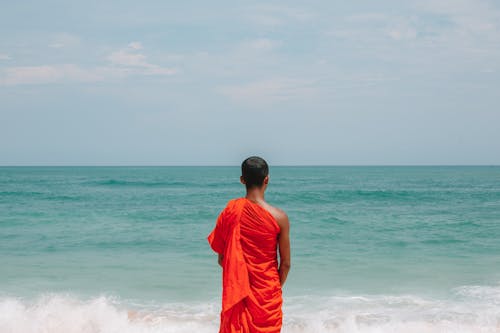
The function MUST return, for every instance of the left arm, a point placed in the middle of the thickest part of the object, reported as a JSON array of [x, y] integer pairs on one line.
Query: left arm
[[284, 248]]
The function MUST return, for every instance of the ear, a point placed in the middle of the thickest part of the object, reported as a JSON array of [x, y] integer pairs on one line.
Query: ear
[[266, 180], [242, 180]]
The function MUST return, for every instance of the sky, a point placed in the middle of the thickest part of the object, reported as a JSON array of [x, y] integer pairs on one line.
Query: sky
[[210, 83]]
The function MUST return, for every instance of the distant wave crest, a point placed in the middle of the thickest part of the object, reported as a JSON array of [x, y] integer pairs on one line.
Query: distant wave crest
[[119, 182]]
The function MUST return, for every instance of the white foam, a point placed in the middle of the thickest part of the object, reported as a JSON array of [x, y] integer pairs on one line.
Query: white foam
[[470, 309], [64, 314]]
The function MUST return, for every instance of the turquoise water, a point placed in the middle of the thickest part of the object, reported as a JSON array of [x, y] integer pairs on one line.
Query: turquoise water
[[373, 247]]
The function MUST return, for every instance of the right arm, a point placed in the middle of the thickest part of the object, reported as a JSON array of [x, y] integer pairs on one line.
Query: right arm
[[284, 248]]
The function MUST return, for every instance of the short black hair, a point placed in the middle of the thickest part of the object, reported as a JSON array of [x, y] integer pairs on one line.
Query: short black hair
[[254, 170]]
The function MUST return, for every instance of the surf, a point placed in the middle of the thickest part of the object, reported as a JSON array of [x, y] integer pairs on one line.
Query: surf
[[468, 309]]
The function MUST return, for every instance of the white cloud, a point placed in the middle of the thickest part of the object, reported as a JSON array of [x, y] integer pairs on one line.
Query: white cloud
[[470, 21], [271, 90], [343, 33], [173, 57], [367, 17], [64, 39], [122, 63], [376, 28], [125, 58], [402, 29], [403, 34], [367, 80], [267, 20], [135, 45], [157, 70], [46, 74], [271, 15], [136, 62], [4, 56], [467, 32], [261, 44], [475, 18], [472, 31]]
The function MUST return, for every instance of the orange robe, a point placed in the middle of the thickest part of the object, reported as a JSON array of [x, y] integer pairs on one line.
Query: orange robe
[[247, 236]]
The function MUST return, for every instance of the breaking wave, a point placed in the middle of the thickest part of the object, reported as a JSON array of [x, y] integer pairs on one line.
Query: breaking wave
[[468, 309]]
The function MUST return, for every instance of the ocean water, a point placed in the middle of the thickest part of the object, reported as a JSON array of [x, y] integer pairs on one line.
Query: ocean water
[[374, 249]]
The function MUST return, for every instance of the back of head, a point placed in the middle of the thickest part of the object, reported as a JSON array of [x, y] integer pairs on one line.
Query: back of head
[[254, 170]]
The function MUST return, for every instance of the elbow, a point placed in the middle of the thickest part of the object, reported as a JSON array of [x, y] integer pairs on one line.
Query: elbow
[[285, 265]]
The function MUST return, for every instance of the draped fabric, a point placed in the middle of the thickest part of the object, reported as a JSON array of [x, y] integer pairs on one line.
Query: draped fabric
[[246, 235]]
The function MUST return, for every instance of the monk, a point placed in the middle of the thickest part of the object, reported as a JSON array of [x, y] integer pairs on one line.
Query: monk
[[247, 236]]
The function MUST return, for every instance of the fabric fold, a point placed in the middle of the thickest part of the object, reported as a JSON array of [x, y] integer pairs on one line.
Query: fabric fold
[[246, 235]]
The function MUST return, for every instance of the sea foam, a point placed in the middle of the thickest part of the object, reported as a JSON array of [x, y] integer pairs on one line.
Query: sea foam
[[470, 309], [66, 314]]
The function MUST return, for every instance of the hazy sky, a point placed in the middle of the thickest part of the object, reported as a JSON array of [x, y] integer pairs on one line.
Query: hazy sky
[[211, 82]]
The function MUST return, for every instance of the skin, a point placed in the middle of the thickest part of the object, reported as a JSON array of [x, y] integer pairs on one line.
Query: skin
[[256, 195]]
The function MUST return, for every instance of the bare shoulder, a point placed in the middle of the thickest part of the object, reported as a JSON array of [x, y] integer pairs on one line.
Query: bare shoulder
[[279, 215]]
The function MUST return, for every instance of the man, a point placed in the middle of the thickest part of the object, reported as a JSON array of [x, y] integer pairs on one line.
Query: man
[[247, 236]]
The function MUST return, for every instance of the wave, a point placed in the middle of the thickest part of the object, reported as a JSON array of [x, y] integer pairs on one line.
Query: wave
[[131, 183], [469, 309], [67, 314], [8, 196], [21, 193]]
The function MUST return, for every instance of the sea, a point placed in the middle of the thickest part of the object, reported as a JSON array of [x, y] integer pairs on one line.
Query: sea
[[374, 248]]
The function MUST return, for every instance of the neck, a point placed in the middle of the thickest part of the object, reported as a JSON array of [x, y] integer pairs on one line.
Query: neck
[[255, 194]]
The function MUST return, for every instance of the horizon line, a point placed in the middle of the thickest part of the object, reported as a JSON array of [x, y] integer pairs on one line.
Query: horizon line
[[236, 165]]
